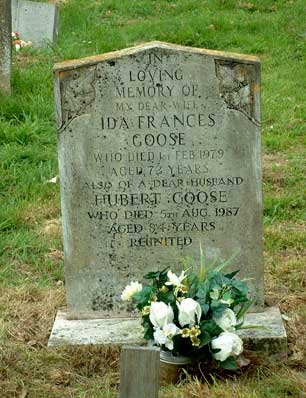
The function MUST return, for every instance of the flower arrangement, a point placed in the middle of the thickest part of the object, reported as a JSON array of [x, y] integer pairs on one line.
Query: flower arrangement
[[18, 43], [196, 313]]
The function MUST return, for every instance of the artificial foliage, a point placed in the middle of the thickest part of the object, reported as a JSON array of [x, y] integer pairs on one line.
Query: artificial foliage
[[196, 313]]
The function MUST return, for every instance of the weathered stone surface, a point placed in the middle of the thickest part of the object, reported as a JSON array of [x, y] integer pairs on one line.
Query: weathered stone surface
[[5, 46], [139, 372], [37, 22], [94, 331], [159, 149], [269, 341]]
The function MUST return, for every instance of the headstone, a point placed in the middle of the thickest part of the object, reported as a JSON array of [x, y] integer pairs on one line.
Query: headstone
[[139, 372], [35, 22], [5, 46], [159, 150]]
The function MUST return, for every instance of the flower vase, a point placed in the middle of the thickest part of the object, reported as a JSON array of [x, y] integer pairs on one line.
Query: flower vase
[[171, 367]]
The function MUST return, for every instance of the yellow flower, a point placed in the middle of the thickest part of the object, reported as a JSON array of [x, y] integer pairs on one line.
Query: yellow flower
[[195, 331], [195, 341], [183, 289], [154, 298], [185, 332], [164, 289], [146, 310]]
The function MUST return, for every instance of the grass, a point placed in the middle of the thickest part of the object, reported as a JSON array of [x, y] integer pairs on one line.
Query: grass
[[31, 262]]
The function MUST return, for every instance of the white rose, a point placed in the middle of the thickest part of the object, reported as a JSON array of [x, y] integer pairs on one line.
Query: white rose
[[174, 279], [227, 321], [160, 314], [189, 312], [132, 288], [171, 330], [165, 335], [229, 343], [160, 336]]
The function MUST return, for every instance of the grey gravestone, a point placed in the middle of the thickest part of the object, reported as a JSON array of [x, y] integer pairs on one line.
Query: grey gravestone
[[5, 46], [36, 22], [159, 149]]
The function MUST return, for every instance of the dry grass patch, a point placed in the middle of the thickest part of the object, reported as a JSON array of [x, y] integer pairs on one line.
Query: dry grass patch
[[56, 256], [27, 314], [275, 169], [265, 382], [43, 211], [285, 236], [27, 366], [58, 373], [285, 283], [52, 228]]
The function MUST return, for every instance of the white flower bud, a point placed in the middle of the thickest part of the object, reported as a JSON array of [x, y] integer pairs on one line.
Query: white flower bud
[[160, 314], [189, 312]]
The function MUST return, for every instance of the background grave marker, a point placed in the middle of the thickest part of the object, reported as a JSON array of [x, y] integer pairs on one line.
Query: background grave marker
[[37, 22], [5, 46]]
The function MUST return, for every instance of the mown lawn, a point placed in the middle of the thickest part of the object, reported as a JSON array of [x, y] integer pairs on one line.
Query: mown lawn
[[31, 263]]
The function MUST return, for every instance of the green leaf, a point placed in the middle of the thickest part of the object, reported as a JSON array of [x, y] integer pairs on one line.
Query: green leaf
[[230, 363], [188, 262], [217, 308], [226, 296], [222, 280], [227, 262], [238, 301], [239, 326], [241, 286], [156, 274], [151, 275], [167, 298], [204, 306], [203, 289], [245, 307], [192, 282], [202, 271], [148, 329], [205, 338], [210, 327], [232, 274], [259, 327], [143, 297]]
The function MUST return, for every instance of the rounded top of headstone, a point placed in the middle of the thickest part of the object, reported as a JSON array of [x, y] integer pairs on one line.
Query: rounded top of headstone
[[87, 61]]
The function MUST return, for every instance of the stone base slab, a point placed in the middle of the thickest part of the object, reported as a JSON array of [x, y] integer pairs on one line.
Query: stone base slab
[[270, 340], [114, 331]]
